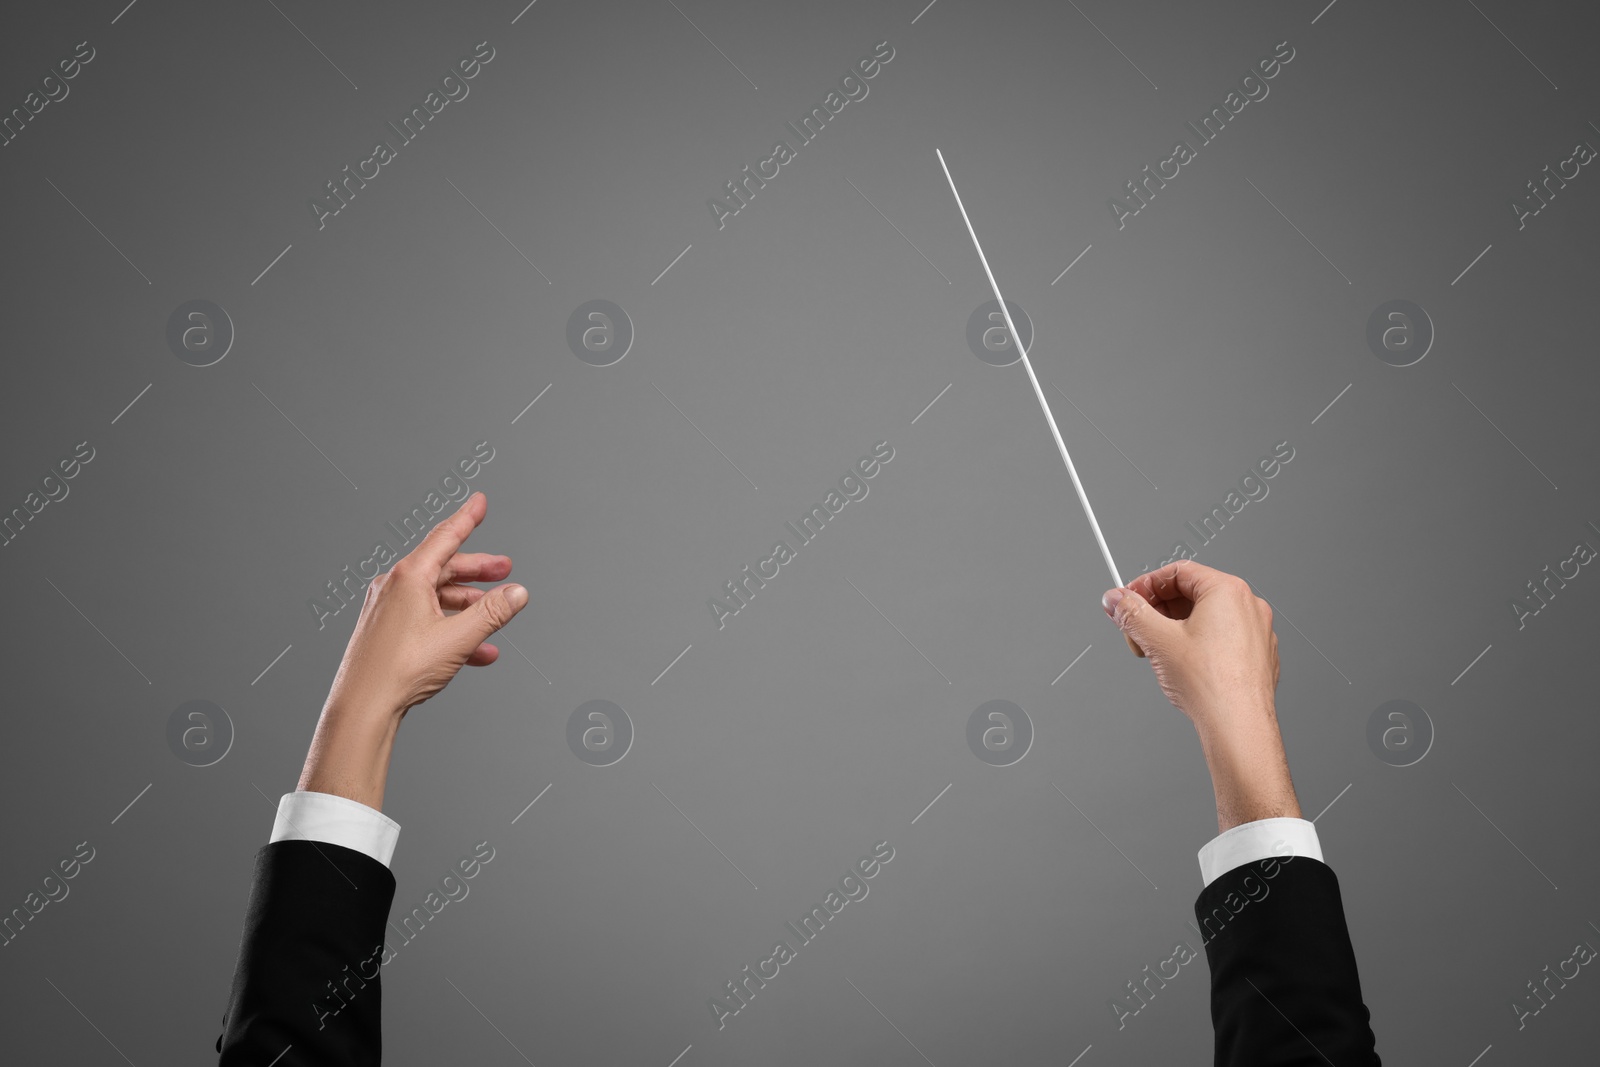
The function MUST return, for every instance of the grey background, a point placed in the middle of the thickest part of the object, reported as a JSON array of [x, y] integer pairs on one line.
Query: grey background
[[1196, 338]]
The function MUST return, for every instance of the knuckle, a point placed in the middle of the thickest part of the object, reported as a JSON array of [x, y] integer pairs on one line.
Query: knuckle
[[496, 610]]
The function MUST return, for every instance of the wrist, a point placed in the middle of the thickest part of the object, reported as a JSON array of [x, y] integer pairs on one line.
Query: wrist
[[350, 752], [1227, 714], [1249, 768], [366, 704]]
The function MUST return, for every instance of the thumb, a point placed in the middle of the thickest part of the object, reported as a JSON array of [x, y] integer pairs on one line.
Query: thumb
[[1135, 617], [489, 613]]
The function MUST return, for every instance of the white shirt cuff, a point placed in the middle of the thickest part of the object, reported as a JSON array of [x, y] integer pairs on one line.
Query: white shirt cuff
[[1259, 840], [335, 820]]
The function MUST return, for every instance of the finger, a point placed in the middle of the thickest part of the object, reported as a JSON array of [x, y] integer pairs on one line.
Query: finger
[[1183, 580], [1156, 586], [445, 539], [1144, 627], [459, 597], [475, 567], [483, 655], [487, 614], [1178, 609], [1160, 590]]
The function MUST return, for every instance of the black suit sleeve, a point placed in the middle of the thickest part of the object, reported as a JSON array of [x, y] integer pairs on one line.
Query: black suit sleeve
[[1284, 989], [307, 975]]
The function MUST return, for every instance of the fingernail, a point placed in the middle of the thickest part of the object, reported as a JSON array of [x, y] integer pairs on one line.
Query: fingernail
[[517, 596], [1110, 601]]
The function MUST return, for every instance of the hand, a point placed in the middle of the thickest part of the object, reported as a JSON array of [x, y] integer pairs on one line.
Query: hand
[[1209, 638], [405, 649], [1211, 642]]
